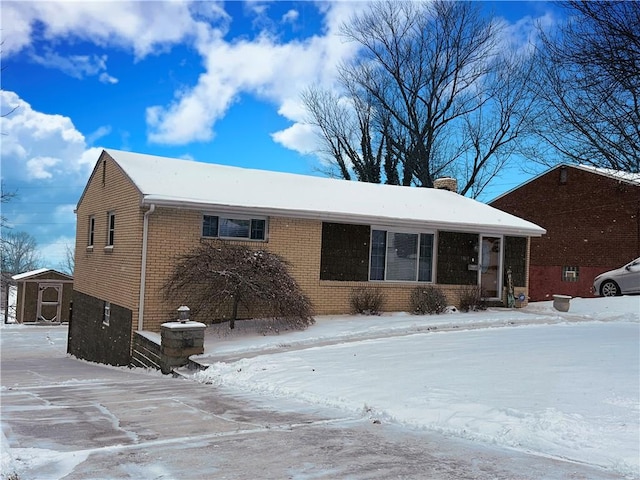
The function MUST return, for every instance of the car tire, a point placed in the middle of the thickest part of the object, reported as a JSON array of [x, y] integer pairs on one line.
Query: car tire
[[609, 289]]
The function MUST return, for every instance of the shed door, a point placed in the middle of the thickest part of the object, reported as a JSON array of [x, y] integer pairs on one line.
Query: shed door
[[490, 267], [49, 302]]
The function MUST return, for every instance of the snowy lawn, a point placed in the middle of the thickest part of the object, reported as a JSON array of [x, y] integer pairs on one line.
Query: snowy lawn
[[565, 385]]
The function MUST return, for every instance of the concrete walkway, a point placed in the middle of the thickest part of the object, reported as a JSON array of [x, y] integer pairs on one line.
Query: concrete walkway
[[65, 418]]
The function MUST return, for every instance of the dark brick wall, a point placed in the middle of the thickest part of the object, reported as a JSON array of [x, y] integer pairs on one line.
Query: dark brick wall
[[90, 339], [592, 222]]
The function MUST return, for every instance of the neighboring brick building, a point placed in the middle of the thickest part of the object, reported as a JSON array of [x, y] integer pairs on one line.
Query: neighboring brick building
[[592, 218], [139, 212]]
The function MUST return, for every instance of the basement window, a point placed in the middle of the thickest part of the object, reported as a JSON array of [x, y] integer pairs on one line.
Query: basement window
[[570, 274], [106, 317]]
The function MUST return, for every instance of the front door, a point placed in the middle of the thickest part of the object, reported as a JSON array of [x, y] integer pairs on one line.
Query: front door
[[49, 302], [490, 279]]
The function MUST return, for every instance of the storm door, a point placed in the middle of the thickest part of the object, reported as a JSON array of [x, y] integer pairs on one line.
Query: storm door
[[49, 302], [489, 277]]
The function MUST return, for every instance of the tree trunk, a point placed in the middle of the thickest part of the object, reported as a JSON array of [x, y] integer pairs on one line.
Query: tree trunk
[[234, 312]]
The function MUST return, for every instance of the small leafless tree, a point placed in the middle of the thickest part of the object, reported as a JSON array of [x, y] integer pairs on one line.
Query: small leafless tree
[[68, 263], [432, 93], [4, 198], [220, 275], [19, 252], [589, 86], [8, 112]]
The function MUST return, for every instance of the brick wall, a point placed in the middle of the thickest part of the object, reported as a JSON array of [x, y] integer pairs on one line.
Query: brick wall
[[592, 222], [111, 274], [90, 339], [173, 232]]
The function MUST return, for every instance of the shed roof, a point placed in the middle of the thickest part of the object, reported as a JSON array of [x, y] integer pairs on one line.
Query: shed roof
[[182, 183], [37, 272]]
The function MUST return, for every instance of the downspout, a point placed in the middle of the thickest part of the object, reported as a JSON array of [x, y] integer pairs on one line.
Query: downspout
[[143, 270]]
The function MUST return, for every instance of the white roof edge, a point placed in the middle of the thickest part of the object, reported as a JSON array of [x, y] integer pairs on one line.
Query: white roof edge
[[605, 172], [621, 175], [38, 271], [534, 230]]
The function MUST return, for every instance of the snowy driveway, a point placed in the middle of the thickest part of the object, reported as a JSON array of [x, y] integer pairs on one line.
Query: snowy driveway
[[65, 418]]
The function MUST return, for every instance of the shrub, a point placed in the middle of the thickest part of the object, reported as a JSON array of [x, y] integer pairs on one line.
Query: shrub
[[366, 301], [471, 299], [218, 273], [427, 300]]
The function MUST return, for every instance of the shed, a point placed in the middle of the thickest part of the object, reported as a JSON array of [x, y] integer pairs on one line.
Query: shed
[[44, 295]]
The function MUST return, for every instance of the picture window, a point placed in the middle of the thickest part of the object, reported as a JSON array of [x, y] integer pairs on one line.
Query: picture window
[[401, 256]]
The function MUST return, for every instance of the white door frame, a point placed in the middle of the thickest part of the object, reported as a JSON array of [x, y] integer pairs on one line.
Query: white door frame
[[42, 286], [486, 261]]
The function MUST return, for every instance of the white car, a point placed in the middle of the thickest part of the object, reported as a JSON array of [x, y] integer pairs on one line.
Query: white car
[[620, 281]]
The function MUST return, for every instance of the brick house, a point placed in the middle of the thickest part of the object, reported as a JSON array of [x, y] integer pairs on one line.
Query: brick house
[[592, 219], [138, 213]]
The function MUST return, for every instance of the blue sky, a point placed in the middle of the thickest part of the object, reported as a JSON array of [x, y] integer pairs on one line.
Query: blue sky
[[216, 82]]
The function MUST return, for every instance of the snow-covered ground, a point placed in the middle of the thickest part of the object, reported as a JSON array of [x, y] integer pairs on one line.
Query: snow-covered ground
[[565, 385]]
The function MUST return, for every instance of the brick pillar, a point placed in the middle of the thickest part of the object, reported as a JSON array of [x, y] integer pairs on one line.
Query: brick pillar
[[180, 340]]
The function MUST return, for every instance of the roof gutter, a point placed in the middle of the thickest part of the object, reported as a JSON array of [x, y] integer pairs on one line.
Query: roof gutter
[[143, 270], [532, 231]]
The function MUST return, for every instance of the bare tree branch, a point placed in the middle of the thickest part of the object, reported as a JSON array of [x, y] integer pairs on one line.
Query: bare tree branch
[[432, 94], [589, 85]]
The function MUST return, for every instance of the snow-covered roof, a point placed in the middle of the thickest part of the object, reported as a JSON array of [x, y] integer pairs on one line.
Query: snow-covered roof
[[632, 178], [616, 174], [182, 183], [39, 271]]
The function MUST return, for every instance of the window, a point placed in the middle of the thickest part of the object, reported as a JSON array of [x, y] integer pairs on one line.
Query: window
[[344, 255], [401, 256], [570, 274], [224, 227], [111, 228], [92, 230], [106, 317], [515, 259], [458, 258]]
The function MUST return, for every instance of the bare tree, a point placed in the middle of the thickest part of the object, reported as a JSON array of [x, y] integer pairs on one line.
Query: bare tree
[[4, 198], [346, 131], [589, 85], [217, 276], [432, 79], [19, 252], [9, 112], [67, 265]]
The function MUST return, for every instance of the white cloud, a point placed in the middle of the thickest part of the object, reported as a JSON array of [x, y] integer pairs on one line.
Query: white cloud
[[299, 137], [142, 26], [77, 66], [98, 133], [54, 252], [264, 67], [106, 78], [291, 16], [40, 146], [41, 167]]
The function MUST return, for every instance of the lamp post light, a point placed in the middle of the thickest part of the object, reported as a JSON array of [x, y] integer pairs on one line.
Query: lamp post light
[[183, 314]]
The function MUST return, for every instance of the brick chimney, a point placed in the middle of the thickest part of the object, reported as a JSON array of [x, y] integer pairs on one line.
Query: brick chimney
[[446, 183]]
